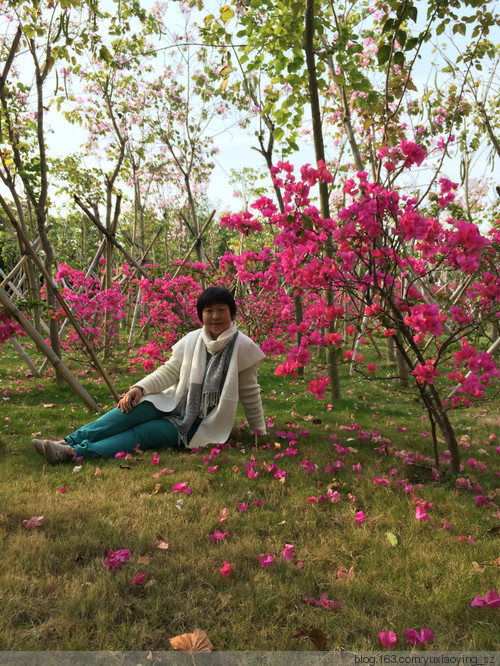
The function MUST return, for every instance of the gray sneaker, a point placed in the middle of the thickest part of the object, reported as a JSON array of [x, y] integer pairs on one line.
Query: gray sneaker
[[56, 452], [38, 444]]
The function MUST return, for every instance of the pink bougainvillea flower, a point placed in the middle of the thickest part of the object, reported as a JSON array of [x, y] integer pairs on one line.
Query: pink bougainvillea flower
[[257, 503], [265, 560], [446, 526], [388, 639], [360, 517], [155, 459], [139, 578], [120, 454], [308, 466], [242, 507], [371, 367], [425, 636], [225, 569], [323, 601], [181, 488], [287, 552], [311, 499], [217, 536], [384, 482], [469, 538], [491, 600], [420, 514], [116, 558], [33, 523], [63, 490], [333, 495], [212, 470]]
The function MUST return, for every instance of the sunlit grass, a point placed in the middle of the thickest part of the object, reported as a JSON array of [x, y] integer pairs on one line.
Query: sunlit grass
[[56, 593]]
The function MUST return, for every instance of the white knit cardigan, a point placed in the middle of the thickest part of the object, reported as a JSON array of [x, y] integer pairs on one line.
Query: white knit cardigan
[[166, 386]]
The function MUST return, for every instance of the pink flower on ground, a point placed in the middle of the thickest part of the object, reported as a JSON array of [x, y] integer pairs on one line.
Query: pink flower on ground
[[491, 600], [266, 560], [217, 536], [139, 578], [120, 454], [225, 570], [333, 495], [446, 526], [242, 507], [155, 459], [322, 601], [384, 482], [388, 639], [420, 514], [257, 503], [425, 636], [181, 488], [360, 517], [116, 558], [63, 490], [287, 552], [33, 523]]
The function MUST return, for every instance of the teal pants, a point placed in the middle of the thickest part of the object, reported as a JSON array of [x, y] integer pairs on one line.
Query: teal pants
[[116, 431]]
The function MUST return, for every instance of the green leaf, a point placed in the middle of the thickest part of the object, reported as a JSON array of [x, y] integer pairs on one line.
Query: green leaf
[[278, 133], [226, 13], [383, 54], [412, 13], [392, 539], [399, 58]]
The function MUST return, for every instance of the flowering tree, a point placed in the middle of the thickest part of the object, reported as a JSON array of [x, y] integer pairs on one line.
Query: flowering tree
[[396, 270]]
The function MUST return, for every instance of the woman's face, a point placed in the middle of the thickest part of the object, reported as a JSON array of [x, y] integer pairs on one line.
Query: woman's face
[[216, 319]]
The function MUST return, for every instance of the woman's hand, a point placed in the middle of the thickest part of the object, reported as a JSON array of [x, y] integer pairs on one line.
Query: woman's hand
[[130, 399]]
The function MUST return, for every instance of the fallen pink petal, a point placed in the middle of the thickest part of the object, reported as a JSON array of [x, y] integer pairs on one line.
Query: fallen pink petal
[[115, 559], [425, 636], [63, 490], [33, 523], [360, 517], [492, 599], [265, 560], [181, 488], [217, 536], [388, 639], [287, 552], [225, 569], [421, 514], [333, 495], [323, 601], [139, 578]]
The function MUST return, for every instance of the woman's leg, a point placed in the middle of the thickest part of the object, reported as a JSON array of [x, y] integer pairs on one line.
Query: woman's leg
[[153, 434], [113, 423]]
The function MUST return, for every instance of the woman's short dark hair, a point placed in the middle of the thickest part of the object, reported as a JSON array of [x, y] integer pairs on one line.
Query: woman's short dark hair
[[213, 295]]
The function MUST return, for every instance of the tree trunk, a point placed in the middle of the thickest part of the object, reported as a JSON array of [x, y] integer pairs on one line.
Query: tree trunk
[[319, 150]]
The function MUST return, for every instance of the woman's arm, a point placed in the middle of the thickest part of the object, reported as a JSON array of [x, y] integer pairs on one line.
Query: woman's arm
[[166, 376], [249, 394]]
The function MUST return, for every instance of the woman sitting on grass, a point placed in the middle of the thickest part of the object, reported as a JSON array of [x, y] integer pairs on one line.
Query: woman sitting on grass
[[189, 401]]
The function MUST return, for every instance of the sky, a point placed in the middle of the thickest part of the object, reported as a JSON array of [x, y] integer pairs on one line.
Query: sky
[[236, 146]]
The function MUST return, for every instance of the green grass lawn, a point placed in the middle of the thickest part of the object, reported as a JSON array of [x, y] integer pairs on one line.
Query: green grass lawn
[[56, 594]]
